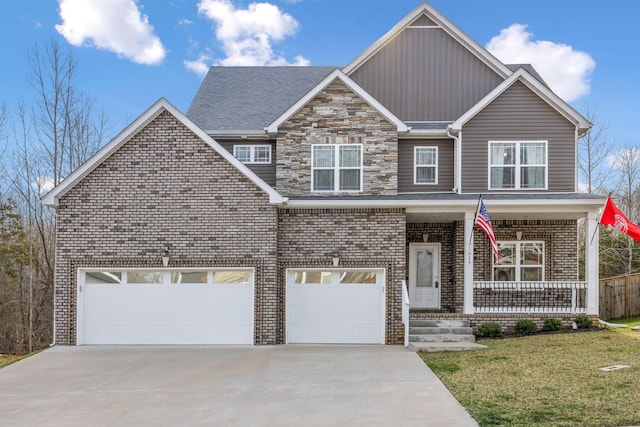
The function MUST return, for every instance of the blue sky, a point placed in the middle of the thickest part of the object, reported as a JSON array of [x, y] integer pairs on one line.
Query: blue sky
[[137, 51]]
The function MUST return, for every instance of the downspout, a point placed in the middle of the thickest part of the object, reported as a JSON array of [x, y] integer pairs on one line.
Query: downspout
[[457, 163], [53, 338]]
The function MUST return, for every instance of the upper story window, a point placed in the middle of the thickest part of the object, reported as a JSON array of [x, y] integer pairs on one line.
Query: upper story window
[[336, 167], [252, 153], [520, 165], [425, 165], [519, 262]]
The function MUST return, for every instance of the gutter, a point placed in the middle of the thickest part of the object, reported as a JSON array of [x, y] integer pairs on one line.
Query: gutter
[[457, 169]]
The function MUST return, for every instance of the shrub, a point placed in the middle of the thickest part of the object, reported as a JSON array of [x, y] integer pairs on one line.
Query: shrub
[[552, 324], [525, 327], [583, 321], [489, 330]]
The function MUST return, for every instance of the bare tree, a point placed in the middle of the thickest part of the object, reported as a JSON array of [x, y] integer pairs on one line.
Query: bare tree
[[594, 149], [49, 139]]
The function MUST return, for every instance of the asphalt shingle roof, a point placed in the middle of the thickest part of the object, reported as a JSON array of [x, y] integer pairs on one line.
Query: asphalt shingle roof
[[250, 98]]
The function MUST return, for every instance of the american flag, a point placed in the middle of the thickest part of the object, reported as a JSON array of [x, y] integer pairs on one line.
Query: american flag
[[483, 221]]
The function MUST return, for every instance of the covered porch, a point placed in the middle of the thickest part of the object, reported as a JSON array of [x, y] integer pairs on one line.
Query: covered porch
[[451, 272]]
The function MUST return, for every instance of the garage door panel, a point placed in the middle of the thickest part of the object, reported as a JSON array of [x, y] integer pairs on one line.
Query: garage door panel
[[167, 314], [335, 313]]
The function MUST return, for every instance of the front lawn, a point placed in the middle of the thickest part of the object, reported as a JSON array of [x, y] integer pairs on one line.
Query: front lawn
[[548, 379], [7, 359]]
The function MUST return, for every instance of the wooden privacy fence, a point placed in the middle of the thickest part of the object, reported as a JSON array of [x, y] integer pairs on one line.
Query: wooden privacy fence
[[620, 297]]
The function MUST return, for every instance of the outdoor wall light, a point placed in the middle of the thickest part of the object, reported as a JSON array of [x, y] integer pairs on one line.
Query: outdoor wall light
[[165, 259], [519, 235], [335, 258], [425, 237]]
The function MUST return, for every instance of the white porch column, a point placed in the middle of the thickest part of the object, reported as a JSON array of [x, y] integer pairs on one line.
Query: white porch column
[[468, 262], [591, 262]]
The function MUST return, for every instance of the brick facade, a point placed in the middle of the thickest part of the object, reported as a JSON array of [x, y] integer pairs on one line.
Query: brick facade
[[165, 189], [337, 116], [362, 238]]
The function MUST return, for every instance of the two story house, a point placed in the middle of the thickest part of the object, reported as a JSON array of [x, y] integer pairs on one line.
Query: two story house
[[331, 204]]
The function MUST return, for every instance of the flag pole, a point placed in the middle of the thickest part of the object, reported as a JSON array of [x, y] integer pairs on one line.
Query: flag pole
[[599, 219], [474, 218]]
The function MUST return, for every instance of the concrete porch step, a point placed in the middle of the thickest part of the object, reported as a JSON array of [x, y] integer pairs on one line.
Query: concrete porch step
[[441, 338], [445, 346], [417, 330], [439, 323]]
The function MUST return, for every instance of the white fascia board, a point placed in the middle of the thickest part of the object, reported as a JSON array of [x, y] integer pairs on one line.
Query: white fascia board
[[52, 197], [448, 26], [537, 87], [238, 134], [416, 206], [426, 134], [338, 74]]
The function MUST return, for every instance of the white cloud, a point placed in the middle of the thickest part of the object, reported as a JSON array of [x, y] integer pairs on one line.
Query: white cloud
[[115, 25], [43, 184], [247, 34], [566, 71], [199, 66]]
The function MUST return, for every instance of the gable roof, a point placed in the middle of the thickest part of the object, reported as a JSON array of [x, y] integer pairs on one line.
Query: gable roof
[[449, 27], [52, 197], [539, 88], [245, 99], [338, 75]]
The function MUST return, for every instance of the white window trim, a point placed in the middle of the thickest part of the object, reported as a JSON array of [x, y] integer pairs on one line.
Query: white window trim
[[252, 154], [416, 166], [517, 264], [336, 168], [518, 165]]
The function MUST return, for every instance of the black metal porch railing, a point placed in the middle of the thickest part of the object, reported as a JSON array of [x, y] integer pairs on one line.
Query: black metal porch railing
[[530, 297]]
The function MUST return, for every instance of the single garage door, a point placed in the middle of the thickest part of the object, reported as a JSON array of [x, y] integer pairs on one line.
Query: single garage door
[[338, 306], [168, 306]]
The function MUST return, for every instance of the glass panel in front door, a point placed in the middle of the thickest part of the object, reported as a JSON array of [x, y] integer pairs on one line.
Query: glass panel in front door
[[424, 271]]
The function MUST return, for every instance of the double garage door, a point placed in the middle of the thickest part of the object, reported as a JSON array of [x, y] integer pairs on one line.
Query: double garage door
[[216, 306]]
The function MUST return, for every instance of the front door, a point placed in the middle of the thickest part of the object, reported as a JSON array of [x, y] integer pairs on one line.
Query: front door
[[424, 275]]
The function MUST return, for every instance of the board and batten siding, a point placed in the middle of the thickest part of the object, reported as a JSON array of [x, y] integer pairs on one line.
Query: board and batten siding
[[406, 165], [265, 171], [518, 114], [424, 74]]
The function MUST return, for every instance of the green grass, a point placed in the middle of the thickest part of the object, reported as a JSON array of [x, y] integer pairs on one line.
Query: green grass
[[6, 359], [548, 380]]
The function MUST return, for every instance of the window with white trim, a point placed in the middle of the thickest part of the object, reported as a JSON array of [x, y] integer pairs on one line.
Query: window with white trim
[[425, 165], [519, 262], [336, 167], [518, 165], [252, 153]]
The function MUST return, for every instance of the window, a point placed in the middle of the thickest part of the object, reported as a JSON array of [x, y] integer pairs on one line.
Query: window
[[425, 165], [225, 276], [518, 165], [253, 153], [336, 167], [337, 277], [519, 262]]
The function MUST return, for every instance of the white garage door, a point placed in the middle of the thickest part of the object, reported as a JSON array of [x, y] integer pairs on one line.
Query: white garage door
[[342, 306], [195, 306]]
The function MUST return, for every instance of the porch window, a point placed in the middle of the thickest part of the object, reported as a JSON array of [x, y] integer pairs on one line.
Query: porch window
[[519, 262], [425, 165], [253, 153], [518, 165], [336, 167]]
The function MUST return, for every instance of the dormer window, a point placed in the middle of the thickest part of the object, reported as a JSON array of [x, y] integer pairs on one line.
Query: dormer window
[[336, 167], [260, 154], [518, 165]]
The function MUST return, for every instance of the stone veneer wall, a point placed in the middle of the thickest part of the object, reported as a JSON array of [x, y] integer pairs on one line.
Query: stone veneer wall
[[166, 189], [338, 116], [373, 238]]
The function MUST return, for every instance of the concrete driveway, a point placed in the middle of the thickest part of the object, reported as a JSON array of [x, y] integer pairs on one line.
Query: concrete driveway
[[226, 386]]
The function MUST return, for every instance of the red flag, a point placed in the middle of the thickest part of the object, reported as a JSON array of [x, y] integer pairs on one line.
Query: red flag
[[484, 223], [612, 217]]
